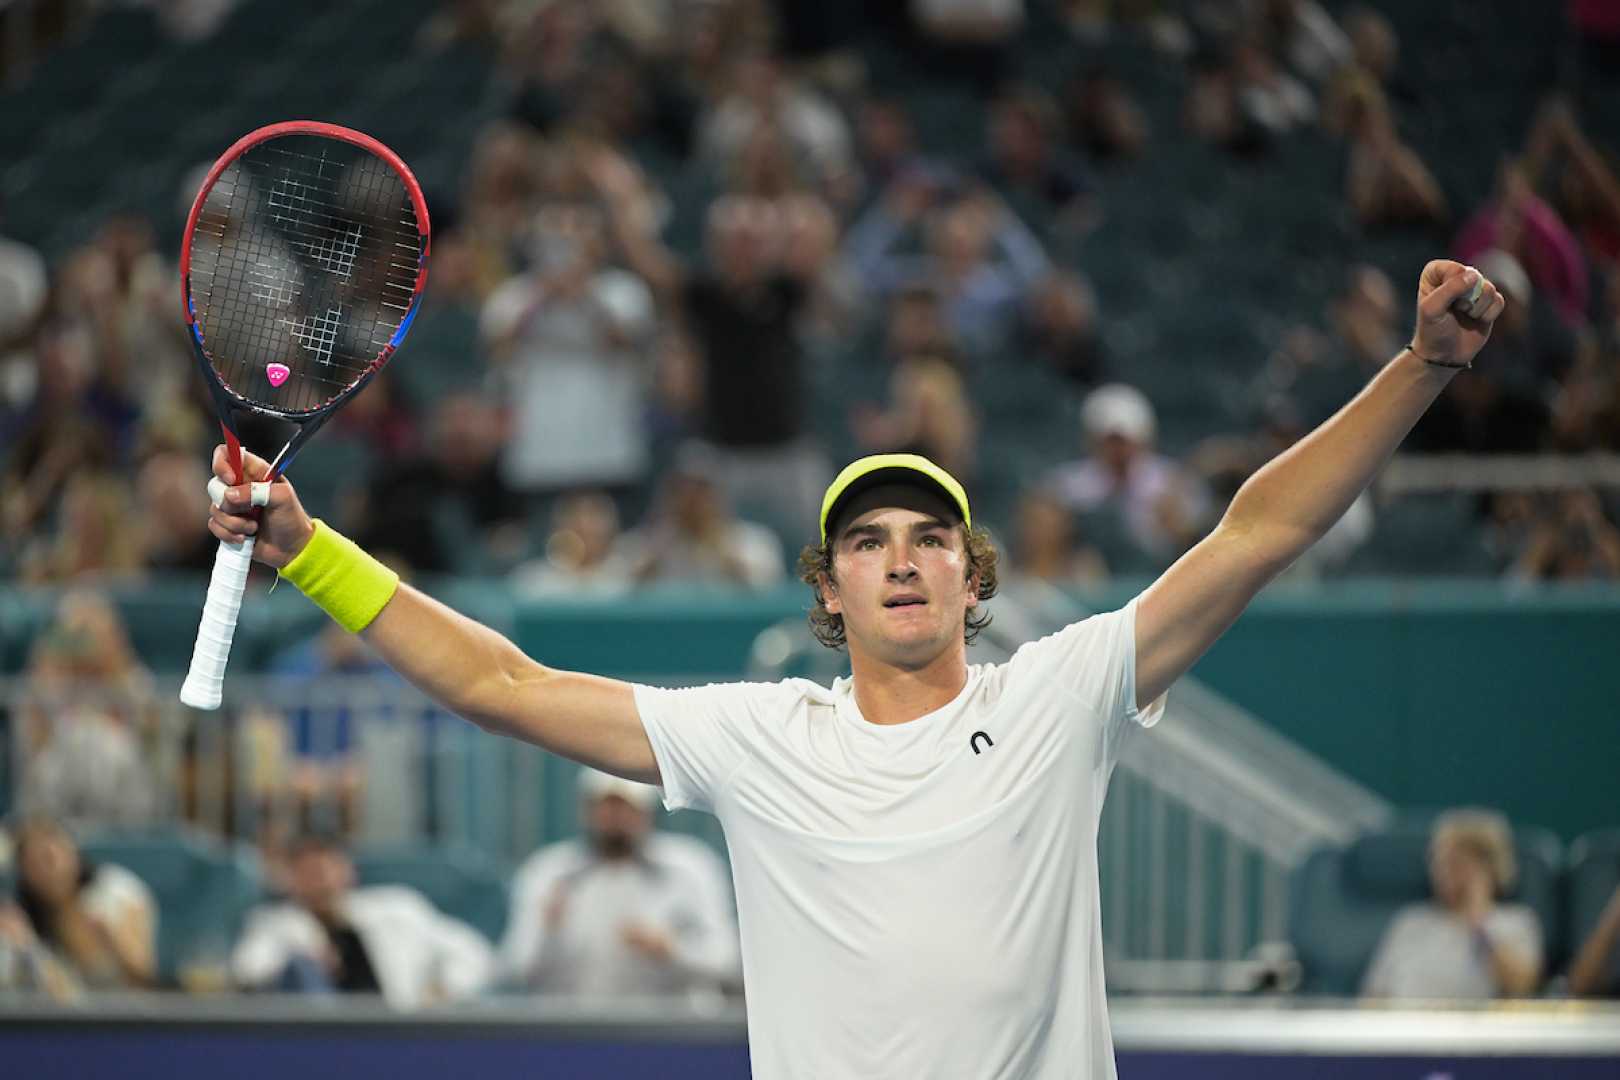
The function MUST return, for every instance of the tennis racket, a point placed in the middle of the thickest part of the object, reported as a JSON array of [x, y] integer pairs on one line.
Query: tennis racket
[[304, 259]]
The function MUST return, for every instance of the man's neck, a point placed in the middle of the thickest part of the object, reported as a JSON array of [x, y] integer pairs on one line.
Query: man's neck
[[888, 694]]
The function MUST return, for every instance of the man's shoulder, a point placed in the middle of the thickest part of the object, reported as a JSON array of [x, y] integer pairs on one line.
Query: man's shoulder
[[764, 698]]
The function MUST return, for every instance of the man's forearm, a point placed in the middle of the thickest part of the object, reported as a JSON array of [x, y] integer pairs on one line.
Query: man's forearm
[[1297, 496], [464, 658]]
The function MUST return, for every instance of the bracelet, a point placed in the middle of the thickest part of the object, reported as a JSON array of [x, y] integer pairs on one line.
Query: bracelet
[[1466, 365], [343, 580]]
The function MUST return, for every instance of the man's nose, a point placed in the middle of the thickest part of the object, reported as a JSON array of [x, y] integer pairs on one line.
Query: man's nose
[[901, 568]]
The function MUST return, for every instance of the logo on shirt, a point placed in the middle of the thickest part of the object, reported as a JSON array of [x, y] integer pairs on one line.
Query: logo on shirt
[[973, 741]]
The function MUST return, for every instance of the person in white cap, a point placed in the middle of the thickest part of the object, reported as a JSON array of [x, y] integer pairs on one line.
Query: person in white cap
[[1163, 506], [913, 848], [625, 910]]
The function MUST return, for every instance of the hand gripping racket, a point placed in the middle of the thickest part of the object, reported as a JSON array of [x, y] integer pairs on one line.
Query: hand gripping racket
[[304, 259]]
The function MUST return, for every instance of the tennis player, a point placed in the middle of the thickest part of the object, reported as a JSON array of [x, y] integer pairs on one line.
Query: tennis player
[[914, 848]]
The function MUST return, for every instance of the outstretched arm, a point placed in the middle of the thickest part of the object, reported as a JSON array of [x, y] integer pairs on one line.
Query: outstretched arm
[[1590, 970], [1291, 502], [465, 666]]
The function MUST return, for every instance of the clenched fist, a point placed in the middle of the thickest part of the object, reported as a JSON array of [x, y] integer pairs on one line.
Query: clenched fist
[[280, 528], [1449, 329]]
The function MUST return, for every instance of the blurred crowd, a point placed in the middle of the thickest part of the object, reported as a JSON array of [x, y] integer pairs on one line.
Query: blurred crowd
[[628, 911], [622, 910], [706, 256], [707, 253]]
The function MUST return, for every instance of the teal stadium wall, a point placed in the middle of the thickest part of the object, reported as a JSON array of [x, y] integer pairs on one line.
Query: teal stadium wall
[[1431, 694]]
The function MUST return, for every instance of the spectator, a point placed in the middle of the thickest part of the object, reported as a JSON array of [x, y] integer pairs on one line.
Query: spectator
[[60, 431], [744, 310], [1050, 546], [1212, 112], [172, 498], [82, 924], [1162, 506], [1060, 328], [1462, 944], [449, 510], [327, 779], [1271, 98], [1103, 119], [1387, 183], [979, 257], [1026, 164], [572, 335], [691, 536], [929, 414], [1570, 540], [761, 96], [91, 539], [1490, 414], [1560, 158], [886, 141], [582, 553], [329, 936], [627, 910], [1518, 221], [1307, 37], [1526, 346], [23, 286], [1595, 971], [88, 707]]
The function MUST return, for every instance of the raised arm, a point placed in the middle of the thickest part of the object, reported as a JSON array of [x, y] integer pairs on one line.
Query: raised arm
[[1295, 498], [465, 666]]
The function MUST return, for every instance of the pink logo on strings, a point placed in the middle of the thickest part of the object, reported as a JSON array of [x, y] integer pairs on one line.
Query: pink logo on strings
[[277, 373]]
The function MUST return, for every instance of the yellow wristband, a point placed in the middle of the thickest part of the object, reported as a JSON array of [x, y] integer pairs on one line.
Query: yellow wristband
[[343, 580]]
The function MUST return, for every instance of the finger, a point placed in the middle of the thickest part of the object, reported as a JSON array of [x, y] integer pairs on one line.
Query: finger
[[1438, 271], [1494, 312], [222, 533], [237, 524], [1446, 292], [222, 464]]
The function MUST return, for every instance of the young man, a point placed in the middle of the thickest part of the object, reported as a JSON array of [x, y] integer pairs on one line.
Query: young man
[[914, 848]]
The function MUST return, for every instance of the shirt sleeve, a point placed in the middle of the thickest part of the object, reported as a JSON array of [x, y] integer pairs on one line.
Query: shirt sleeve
[[700, 736], [1095, 660]]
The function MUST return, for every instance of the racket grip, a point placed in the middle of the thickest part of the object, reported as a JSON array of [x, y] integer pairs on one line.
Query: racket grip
[[203, 688]]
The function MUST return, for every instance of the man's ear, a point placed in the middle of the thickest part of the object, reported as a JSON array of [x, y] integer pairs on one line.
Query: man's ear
[[973, 590], [829, 593]]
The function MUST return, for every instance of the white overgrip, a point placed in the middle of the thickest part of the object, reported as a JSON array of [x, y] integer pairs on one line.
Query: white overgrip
[[204, 685]]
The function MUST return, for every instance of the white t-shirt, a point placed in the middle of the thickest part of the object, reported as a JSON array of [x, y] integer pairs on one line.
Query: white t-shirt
[[1428, 952], [917, 900], [676, 885]]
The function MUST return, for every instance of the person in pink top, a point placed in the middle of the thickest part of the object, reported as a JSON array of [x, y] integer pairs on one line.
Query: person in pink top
[[1518, 221]]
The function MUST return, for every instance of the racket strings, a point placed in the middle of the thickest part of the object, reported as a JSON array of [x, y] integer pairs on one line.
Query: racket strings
[[304, 264]]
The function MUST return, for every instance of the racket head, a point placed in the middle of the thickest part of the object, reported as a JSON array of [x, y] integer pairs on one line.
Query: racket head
[[304, 259]]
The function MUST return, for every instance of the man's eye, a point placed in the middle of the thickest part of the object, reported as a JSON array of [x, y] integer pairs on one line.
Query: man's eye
[[866, 545], [934, 540]]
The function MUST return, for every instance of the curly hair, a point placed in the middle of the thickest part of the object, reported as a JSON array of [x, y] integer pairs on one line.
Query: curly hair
[[829, 628]]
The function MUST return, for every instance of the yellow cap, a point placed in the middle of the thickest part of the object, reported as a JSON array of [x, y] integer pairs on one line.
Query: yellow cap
[[877, 469]]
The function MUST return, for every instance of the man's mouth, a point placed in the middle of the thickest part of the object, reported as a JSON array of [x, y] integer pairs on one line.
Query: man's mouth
[[904, 600]]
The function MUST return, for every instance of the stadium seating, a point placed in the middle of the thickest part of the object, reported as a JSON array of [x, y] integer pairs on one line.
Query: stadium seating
[[1343, 898]]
